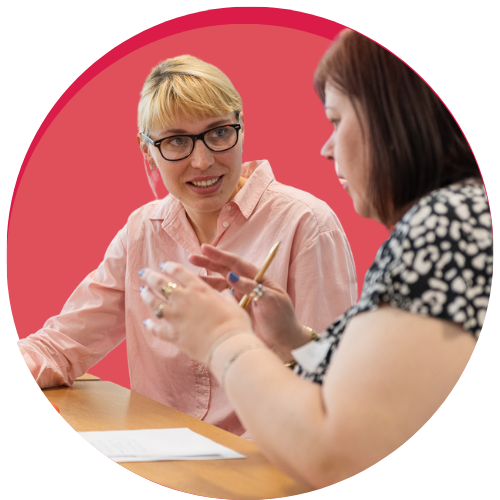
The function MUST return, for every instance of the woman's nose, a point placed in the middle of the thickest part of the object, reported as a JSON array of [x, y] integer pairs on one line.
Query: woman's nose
[[201, 157], [327, 149]]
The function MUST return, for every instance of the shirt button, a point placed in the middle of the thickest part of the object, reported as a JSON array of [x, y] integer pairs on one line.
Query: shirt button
[[199, 415], [225, 223], [200, 368], [228, 208]]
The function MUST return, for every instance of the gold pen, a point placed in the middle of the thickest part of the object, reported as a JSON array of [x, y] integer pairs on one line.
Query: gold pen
[[246, 299]]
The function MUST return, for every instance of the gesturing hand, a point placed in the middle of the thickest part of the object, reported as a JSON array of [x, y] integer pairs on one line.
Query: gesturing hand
[[189, 313], [273, 316]]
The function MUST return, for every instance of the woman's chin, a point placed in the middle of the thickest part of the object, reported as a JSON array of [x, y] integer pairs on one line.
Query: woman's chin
[[362, 209]]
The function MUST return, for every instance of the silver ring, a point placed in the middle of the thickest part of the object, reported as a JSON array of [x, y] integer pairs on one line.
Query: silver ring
[[257, 293], [159, 310]]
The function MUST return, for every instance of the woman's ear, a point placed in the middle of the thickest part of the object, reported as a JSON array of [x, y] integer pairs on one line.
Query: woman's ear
[[242, 123], [142, 145]]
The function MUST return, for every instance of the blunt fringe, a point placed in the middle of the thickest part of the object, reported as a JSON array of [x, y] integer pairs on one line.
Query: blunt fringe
[[185, 86], [414, 143]]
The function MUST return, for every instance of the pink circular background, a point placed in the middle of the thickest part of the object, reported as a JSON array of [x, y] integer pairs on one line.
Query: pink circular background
[[83, 174]]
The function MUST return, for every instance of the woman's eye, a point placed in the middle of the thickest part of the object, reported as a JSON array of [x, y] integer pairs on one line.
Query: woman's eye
[[177, 141], [219, 132], [335, 123]]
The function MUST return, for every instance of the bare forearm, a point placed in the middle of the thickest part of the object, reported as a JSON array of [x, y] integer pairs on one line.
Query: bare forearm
[[284, 414]]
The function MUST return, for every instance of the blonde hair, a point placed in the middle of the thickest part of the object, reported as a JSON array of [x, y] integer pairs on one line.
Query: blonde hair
[[185, 86]]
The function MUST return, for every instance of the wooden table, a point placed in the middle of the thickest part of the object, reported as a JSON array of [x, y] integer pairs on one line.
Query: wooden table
[[93, 405], [87, 376]]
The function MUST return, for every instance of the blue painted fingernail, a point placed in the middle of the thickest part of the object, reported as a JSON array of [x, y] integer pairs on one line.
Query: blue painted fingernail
[[233, 277], [141, 272], [232, 292]]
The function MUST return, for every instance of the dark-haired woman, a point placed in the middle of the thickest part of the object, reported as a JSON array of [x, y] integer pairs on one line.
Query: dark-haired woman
[[385, 366]]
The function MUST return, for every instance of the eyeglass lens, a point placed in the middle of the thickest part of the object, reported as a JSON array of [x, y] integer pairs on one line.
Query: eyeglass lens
[[219, 139]]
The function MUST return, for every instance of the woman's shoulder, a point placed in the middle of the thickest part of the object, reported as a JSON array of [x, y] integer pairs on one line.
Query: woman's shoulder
[[442, 256], [278, 199], [455, 217], [463, 203], [303, 205]]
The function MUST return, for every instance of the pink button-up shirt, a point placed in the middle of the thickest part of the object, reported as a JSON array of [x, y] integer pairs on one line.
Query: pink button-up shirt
[[314, 264]]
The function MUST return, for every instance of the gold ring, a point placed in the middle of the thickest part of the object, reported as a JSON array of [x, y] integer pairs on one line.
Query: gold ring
[[167, 289], [159, 310]]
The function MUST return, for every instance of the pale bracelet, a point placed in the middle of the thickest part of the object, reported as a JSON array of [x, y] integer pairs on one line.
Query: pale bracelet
[[219, 341], [234, 357]]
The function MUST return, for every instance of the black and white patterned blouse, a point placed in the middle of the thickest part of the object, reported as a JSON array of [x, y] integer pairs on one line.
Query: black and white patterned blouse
[[437, 262]]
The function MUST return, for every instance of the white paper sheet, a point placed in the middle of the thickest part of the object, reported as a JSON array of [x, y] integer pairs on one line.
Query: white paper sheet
[[151, 445]]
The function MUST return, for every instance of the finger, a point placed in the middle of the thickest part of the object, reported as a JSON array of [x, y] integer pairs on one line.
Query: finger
[[230, 261], [155, 281], [202, 261], [151, 300], [181, 275], [175, 272], [228, 296], [216, 282], [160, 329], [243, 286]]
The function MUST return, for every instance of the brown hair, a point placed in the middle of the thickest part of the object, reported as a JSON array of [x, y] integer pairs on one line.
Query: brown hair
[[414, 143]]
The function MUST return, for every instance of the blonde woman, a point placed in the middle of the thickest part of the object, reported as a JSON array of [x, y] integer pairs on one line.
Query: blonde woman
[[191, 133]]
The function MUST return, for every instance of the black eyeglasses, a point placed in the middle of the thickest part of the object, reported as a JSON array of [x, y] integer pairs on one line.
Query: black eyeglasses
[[179, 147]]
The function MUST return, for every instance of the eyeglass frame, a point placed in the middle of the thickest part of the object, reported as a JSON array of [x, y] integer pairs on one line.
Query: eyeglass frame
[[194, 138]]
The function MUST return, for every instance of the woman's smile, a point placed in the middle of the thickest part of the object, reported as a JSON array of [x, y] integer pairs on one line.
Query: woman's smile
[[205, 184]]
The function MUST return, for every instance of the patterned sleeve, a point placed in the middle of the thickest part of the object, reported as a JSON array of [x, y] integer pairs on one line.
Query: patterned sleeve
[[445, 258]]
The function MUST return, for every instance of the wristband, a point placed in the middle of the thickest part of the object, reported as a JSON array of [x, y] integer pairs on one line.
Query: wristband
[[220, 340], [234, 357]]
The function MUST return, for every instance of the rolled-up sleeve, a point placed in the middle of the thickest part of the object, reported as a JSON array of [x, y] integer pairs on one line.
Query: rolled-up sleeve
[[322, 280], [91, 323]]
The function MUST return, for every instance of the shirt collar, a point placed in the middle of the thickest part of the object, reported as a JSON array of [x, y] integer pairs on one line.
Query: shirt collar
[[166, 209], [258, 174]]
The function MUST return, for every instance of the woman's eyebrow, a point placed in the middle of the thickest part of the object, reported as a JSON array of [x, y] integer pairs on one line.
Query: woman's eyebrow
[[216, 123]]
